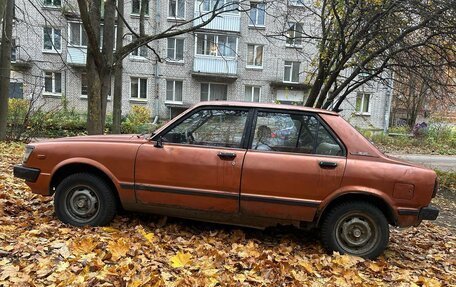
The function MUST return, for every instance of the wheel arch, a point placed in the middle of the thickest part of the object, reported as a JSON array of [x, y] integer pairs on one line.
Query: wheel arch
[[67, 168], [372, 198]]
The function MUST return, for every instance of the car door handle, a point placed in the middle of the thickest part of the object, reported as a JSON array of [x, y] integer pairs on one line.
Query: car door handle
[[226, 155], [328, 164]]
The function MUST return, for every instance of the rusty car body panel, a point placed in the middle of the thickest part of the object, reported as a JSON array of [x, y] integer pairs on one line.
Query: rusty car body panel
[[254, 188]]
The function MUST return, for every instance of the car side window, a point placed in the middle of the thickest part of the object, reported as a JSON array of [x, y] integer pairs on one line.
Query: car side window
[[294, 133], [210, 127]]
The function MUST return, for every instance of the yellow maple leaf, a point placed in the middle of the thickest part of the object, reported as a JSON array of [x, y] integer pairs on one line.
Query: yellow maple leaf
[[118, 248], [149, 236], [109, 229], [84, 245], [180, 259]]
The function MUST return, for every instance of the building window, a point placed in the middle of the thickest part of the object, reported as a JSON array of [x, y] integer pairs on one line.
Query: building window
[[52, 39], [13, 50], [294, 34], [78, 36], [257, 12], [362, 103], [176, 9], [53, 83], [255, 56], [291, 73], [213, 92], [84, 85], [53, 3], [174, 91], [222, 5], [296, 2], [252, 94], [136, 7], [140, 52], [138, 88], [175, 49], [216, 45]]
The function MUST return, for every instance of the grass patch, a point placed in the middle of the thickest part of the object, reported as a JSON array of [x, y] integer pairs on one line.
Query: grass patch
[[437, 139], [447, 179]]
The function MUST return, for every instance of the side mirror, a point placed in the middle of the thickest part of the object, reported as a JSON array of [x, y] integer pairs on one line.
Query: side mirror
[[159, 142]]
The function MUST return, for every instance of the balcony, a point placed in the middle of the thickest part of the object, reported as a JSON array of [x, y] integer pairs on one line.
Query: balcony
[[225, 22], [76, 56], [216, 67]]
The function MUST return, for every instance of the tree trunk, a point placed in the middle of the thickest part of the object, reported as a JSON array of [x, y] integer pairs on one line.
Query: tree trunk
[[117, 101], [5, 64]]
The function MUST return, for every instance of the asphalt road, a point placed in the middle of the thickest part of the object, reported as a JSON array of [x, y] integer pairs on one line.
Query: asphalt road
[[441, 162]]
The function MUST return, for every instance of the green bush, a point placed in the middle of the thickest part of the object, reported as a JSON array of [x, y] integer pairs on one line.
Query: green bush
[[137, 120], [24, 122], [439, 138]]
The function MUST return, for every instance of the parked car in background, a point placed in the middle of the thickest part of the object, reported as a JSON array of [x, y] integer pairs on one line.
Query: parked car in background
[[220, 162]]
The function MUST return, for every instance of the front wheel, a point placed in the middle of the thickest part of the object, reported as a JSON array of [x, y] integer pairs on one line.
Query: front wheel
[[84, 199], [356, 228]]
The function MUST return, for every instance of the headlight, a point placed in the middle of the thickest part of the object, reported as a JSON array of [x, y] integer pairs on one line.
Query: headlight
[[27, 153]]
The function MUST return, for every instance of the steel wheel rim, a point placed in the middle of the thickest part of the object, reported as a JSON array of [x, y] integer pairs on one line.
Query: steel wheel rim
[[82, 204], [357, 233]]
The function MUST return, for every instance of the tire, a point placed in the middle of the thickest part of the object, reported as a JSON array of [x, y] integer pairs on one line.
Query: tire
[[83, 199], [356, 228]]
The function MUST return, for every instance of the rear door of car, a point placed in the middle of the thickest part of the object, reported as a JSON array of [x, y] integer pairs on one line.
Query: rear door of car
[[293, 162], [199, 164]]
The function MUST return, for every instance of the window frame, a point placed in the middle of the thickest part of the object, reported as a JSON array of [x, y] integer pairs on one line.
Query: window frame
[[255, 47], [292, 27], [81, 32], [138, 50], [173, 101], [245, 134], [301, 113], [52, 5], [174, 59], [255, 21], [252, 93], [209, 89], [139, 99], [177, 9], [217, 43], [53, 49], [291, 71], [84, 96], [200, 3], [363, 95], [146, 14], [52, 93]]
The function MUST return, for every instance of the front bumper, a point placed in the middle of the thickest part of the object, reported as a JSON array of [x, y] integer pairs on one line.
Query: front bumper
[[428, 213], [27, 173]]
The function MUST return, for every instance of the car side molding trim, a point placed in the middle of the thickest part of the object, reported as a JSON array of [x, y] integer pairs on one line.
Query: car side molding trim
[[222, 194], [280, 200], [196, 192]]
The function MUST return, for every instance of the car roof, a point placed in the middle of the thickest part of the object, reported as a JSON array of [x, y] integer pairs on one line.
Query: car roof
[[264, 105]]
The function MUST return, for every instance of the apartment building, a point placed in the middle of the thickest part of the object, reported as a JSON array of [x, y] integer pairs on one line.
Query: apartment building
[[239, 56]]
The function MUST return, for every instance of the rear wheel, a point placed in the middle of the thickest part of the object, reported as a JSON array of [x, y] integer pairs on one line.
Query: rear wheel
[[356, 228], [84, 199]]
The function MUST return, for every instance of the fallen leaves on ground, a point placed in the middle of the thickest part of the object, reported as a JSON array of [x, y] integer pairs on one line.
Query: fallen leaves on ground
[[138, 250]]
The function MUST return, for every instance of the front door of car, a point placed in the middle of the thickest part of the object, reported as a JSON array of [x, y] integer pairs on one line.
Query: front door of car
[[198, 166], [293, 163]]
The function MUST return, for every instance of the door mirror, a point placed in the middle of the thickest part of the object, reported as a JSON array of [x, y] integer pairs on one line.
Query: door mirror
[[159, 142]]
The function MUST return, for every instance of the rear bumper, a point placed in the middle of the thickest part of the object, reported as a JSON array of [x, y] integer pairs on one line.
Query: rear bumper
[[428, 213], [27, 173], [414, 216]]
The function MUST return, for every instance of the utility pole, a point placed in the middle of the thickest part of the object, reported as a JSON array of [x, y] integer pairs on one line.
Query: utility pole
[[5, 65]]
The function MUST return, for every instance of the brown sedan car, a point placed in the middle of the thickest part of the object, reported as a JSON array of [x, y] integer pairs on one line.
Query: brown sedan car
[[241, 163]]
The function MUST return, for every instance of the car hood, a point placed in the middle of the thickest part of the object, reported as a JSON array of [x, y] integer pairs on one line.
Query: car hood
[[101, 138]]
